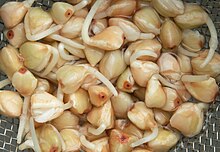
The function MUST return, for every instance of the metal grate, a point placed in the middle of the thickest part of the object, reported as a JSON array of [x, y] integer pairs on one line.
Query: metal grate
[[207, 141]]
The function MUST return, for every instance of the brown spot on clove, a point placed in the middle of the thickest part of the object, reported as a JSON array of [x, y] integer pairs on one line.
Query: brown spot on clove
[[10, 34]]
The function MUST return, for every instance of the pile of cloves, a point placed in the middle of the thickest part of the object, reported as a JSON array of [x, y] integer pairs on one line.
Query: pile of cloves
[[107, 75]]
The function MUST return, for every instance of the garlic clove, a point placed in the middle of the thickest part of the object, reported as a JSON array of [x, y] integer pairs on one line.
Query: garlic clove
[[120, 141], [80, 100], [188, 119], [170, 35], [140, 112], [12, 13], [24, 82], [169, 8], [93, 54], [34, 53], [127, 127], [165, 140], [101, 116], [43, 85], [184, 63], [162, 117], [66, 121], [99, 95], [204, 91], [10, 103], [126, 81], [121, 104], [112, 64], [212, 68], [37, 20], [71, 139], [16, 36], [142, 71], [155, 96], [147, 20], [182, 91], [61, 12], [169, 67], [81, 13], [173, 101], [109, 39], [140, 93], [72, 28], [10, 61], [101, 144], [70, 78], [193, 40], [50, 139]]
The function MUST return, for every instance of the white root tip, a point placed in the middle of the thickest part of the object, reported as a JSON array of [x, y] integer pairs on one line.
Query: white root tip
[[86, 143], [141, 141], [67, 41], [140, 53], [213, 43], [64, 54], [43, 34], [102, 78], [194, 78], [4, 83], [87, 22], [186, 52], [97, 131], [34, 136]]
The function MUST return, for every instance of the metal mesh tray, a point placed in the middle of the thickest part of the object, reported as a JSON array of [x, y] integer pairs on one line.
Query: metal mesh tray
[[207, 141]]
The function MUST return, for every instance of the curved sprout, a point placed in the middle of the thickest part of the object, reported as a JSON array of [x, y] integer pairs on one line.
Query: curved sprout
[[194, 78], [140, 53], [146, 139], [213, 43], [186, 52], [81, 5], [97, 131], [34, 136], [65, 55], [86, 143]]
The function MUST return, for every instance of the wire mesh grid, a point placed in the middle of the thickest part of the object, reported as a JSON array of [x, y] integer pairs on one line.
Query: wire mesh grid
[[207, 141]]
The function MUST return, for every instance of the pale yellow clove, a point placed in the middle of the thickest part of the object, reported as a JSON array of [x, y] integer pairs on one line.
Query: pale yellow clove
[[112, 64], [126, 81], [142, 71], [80, 100], [169, 8], [121, 104], [93, 54], [169, 67], [70, 77], [16, 36], [10, 61], [142, 116], [204, 91], [170, 35], [66, 121], [99, 95], [173, 101], [71, 139], [72, 28], [147, 20], [155, 96], [193, 40], [24, 82], [188, 119], [61, 12], [10, 103], [165, 140]]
